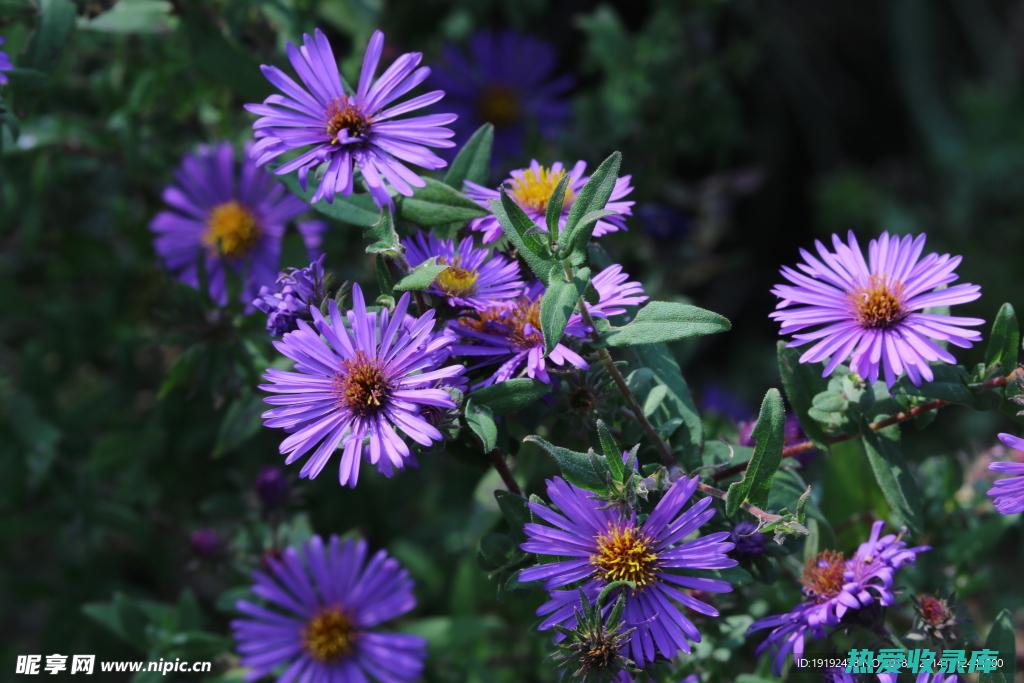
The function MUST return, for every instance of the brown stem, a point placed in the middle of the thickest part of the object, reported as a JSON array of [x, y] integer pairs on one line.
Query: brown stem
[[762, 515], [609, 364], [498, 458], [804, 446]]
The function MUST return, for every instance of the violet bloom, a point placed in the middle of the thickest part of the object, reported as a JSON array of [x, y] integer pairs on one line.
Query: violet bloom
[[320, 616], [231, 215], [508, 79], [5, 64], [509, 333], [1008, 494], [873, 312], [835, 585], [531, 188], [288, 300], [748, 542], [345, 129], [363, 377], [598, 544], [475, 277]]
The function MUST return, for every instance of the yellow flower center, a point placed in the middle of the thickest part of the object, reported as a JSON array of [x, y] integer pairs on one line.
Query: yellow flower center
[[343, 116], [878, 304], [231, 230], [534, 188], [520, 321], [823, 575], [361, 385], [329, 635], [624, 554], [499, 105], [456, 280]]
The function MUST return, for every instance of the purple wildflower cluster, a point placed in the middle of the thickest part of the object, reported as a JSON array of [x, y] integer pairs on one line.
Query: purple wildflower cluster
[[592, 545], [834, 587], [288, 301], [1008, 494]]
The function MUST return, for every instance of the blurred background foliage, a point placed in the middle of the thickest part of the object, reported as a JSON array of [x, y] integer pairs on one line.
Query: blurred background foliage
[[128, 413]]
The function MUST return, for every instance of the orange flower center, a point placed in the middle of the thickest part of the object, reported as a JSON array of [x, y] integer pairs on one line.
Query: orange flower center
[[878, 304], [361, 385], [343, 116], [534, 188], [520, 320], [624, 554], [500, 105], [231, 230], [823, 576], [329, 635]]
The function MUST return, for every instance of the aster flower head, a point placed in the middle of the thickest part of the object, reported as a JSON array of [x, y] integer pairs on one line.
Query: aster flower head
[[834, 586], [345, 129], [873, 312], [288, 300], [361, 382], [599, 545], [510, 80], [508, 333], [319, 618], [1008, 493], [475, 277], [228, 213], [5, 64], [531, 188]]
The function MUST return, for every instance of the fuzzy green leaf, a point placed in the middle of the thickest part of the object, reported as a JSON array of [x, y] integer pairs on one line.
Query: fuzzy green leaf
[[1001, 638], [438, 204], [667, 321], [511, 395], [893, 476], [1003, 348], [592, 197], [474, 159], [801, 382], [522, 233], [422, 276], [768, 437], [558, 303], [56, 21], [355, 209], [480, 420], [586, 470]]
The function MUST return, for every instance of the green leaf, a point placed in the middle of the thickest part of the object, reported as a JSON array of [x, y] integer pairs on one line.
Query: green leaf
[[522, 233], [801, 382], [480, 420], [355, 209], [893, 476], [133, 16], [592, 197], [1004, 341], [559, 302], [554, 209], [56, 21], [612, 453], [950, 384], [385, 238], [241, 421], [768, 438], [1002, 639], [667, 321], [678, 403], [473, 161], [437, 204], [515, 509], [422, 276], [510, 396], [586, 470]]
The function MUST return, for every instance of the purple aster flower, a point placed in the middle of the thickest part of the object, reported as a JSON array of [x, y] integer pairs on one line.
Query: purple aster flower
[[475, 277], [367, 377], [508, 79], [600, 544], [1008, 494], [874, 312], [206, 543], [231, 214], [835, 585], [345, 129], [290, 297], [320, 616], [532, 187], [5, 64], [272, 487]]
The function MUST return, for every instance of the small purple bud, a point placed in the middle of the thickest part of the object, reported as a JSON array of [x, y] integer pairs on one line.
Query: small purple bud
[[748, 540], [272, 487], [206, 543]]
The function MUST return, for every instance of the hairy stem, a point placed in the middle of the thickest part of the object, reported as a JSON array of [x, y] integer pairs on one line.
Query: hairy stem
[[762, 515], [497, 457], [727, 471]]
